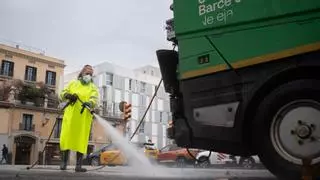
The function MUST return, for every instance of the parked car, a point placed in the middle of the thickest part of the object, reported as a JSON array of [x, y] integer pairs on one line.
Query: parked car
[[111, 155], [174, 155], [151, 152], [94, 157], [226, 160]]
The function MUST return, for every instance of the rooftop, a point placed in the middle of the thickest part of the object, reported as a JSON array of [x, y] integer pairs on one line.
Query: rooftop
[[22, 52]]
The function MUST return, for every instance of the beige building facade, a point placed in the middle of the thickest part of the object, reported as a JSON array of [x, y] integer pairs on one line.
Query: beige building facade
[[29, 84]]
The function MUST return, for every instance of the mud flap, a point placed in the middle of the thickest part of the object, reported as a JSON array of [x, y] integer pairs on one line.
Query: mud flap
[[182, 133], [168, 62]]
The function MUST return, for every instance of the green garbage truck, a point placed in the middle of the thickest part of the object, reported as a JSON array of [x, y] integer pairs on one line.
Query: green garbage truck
[[244, 79]]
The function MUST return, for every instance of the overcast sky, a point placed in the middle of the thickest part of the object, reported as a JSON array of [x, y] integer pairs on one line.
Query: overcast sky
[[125, 32]]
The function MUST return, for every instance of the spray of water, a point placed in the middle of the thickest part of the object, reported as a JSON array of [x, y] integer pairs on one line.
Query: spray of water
[[138, 161]]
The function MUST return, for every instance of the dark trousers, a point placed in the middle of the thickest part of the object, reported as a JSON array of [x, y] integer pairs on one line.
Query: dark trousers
[[4, 157]]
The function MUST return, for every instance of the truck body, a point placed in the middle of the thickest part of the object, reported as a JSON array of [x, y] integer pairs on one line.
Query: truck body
[[241, 68]]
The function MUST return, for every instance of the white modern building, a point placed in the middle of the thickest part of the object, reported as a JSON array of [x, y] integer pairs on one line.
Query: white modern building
[[137, 87]]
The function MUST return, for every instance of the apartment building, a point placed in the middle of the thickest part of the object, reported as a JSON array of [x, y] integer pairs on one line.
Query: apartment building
[[28, 104], [135, 86]]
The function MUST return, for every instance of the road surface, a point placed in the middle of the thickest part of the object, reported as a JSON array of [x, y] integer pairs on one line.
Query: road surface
[[113, 173]]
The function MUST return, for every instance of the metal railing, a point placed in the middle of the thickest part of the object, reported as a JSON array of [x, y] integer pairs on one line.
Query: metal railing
[[24, 127]]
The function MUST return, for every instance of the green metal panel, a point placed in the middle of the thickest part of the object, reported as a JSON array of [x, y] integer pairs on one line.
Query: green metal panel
[[256, 28], [250, 43], [190, 15]]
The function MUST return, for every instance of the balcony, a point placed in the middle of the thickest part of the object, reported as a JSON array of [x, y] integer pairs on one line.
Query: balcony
[[25, 94], [5, 77], [113, 114], [110, 109], [24, 127]]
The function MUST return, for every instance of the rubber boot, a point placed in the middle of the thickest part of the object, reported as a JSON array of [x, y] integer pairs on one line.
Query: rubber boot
[[64, 159], [79, 163]]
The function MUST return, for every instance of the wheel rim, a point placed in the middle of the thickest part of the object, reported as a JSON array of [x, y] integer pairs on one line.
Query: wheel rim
[[180, 162], [204, 163], [95, 162], [295, 131], [247, 163]]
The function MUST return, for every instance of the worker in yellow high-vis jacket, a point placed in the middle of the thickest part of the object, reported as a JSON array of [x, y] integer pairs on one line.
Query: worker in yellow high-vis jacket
[[76, 126]]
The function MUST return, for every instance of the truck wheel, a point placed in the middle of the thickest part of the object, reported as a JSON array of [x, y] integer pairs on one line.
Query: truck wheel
[[287, 128], [203, 162]]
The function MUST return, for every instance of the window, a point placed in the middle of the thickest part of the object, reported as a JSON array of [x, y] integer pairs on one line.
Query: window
[[155, 141], [126, 84], [147, 118], [164, 131], [160, 104], [142, 101], [109, 93], [143, 87], [57, 130], [117, 96], [51, 78], [160, 116], [130, 84], [154, 104], [147, 101], [135, 99], [95, 80], [135, 113], [109, 147], [152, 73], [115, 109], [154, 129], [109, 79], [165, 117], [7, 68], [110, 107], [165, 149], [100, 79], [133, 126], [126, 97], [141, 128], [153, 116], [27, 122], [30, 73], [174, 147], [164, 141]]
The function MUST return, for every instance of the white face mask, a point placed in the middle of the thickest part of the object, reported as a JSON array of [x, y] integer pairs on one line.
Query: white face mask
[[86, 78]]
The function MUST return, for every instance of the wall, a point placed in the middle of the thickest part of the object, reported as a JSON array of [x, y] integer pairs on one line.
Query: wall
[[22, 59], [5, 116], [99, 135]]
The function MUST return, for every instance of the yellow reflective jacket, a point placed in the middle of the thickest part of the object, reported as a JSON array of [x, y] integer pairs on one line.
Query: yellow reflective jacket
[[76, 127]]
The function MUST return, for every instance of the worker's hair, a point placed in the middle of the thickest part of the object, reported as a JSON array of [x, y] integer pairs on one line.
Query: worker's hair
[[81, 72]]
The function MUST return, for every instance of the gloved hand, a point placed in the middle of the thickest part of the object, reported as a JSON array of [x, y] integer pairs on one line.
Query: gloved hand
[[71, 97], [87, 104]]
